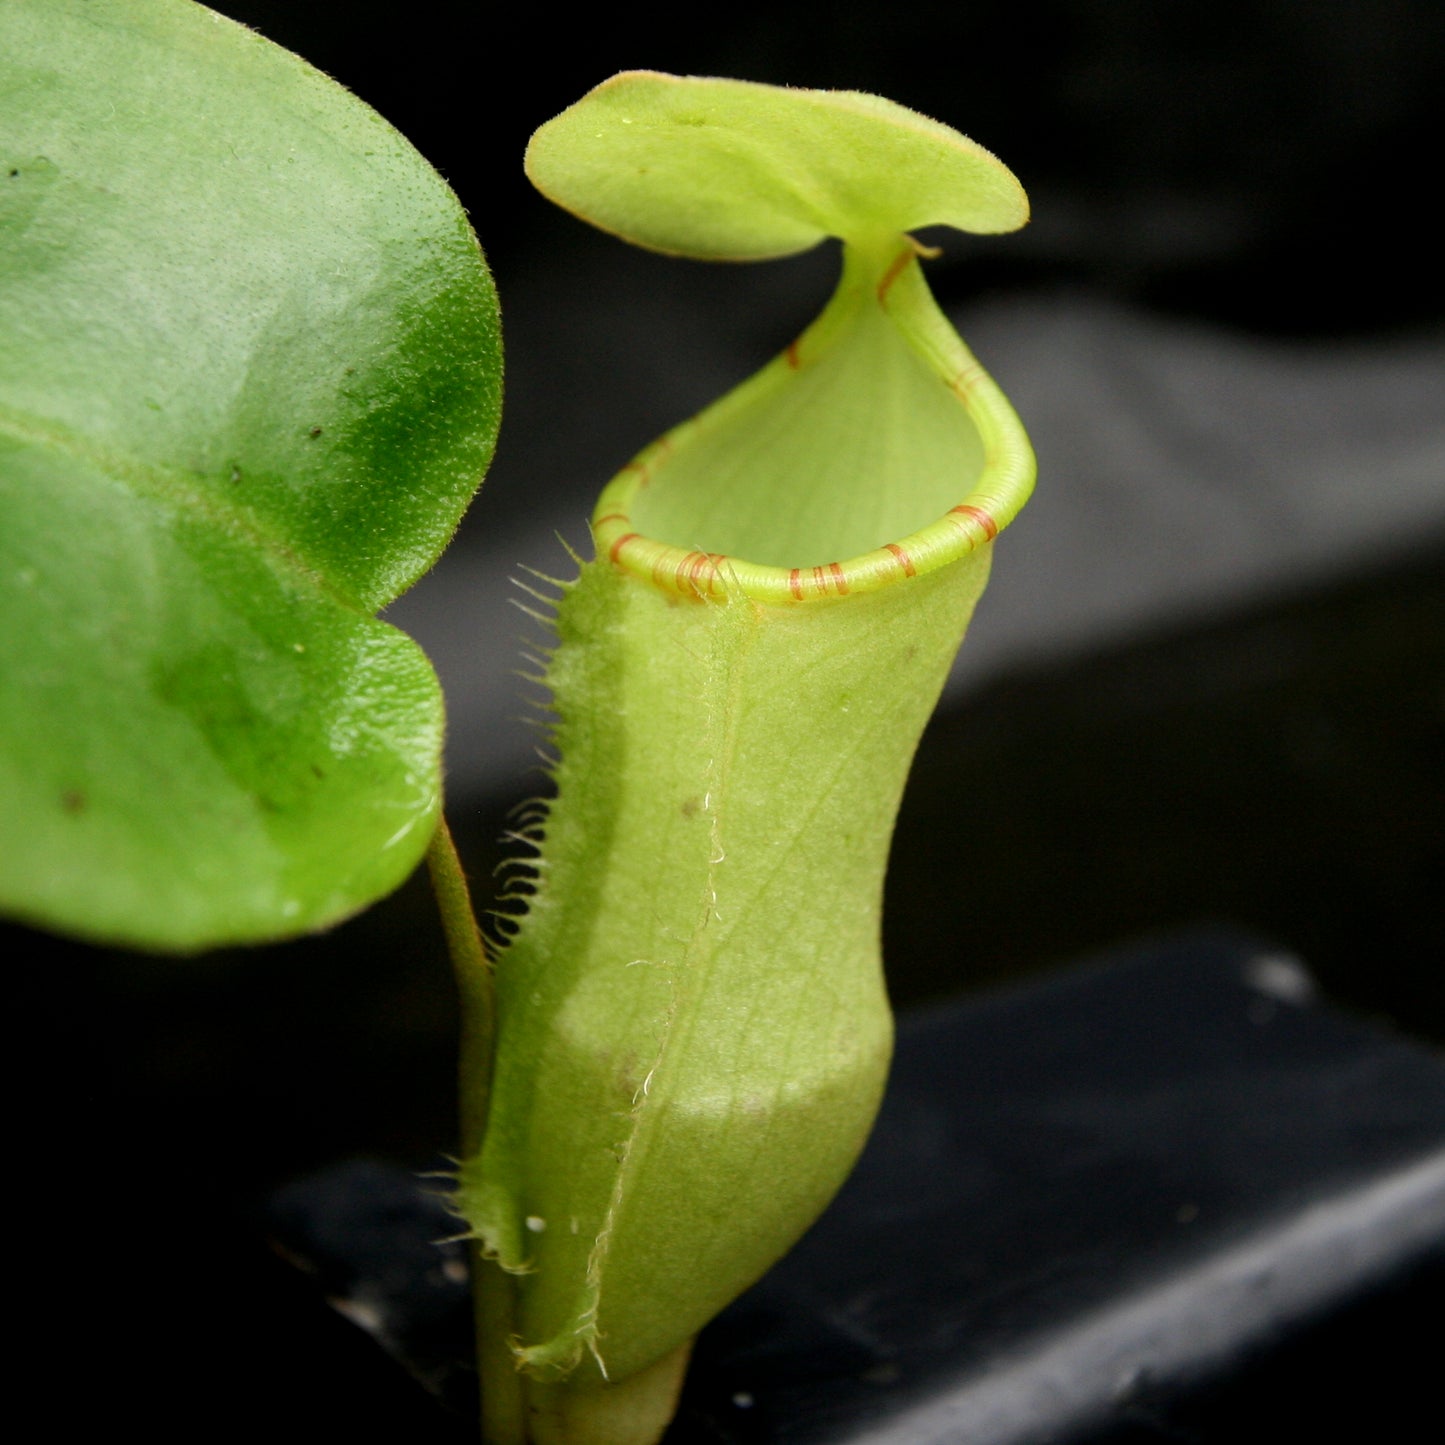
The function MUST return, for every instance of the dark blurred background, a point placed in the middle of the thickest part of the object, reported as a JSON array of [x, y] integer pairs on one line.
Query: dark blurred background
[[1208, 682]]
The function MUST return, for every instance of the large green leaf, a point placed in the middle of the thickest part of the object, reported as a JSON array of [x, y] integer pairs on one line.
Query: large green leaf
[[249, 376]]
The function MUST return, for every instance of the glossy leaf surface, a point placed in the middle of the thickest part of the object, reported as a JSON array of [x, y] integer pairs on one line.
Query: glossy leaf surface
[[249, 377]]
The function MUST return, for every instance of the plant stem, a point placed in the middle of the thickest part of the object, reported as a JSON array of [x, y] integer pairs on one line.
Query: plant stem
[[634, 1411], [503, 1413], [494, 1299], [474, 985]]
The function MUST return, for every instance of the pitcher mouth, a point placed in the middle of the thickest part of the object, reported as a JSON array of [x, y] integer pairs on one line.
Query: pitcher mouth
[[1002, 487]]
